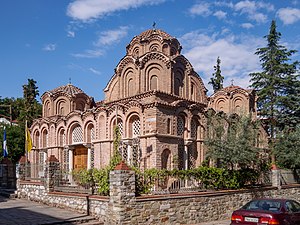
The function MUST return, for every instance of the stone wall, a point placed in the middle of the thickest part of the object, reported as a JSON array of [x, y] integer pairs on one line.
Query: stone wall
[[123, 207]]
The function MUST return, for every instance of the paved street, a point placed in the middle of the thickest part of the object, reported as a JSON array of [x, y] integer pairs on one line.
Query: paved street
[[23, 212]]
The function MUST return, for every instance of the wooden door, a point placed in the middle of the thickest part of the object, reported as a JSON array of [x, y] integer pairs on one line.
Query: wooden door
[[80, 157]]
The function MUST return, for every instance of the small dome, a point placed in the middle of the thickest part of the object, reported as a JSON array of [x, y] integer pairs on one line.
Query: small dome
[[68, 89], [148, 33]]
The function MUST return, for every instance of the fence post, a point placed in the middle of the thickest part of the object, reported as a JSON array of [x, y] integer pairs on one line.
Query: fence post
[[122, 194], [276, 177], [22, 168], [8, 174], [51, 173]]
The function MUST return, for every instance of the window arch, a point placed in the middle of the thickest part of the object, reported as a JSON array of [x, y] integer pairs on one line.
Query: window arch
[[134, 126], [166, 159], [45, 138], [77, 135], [168, 126], [130, 87], [180, 125], [62, 138], [120, 126], [61, 108], [194, 128], [37, 139], [153, 82], [90, 136], [47, 109]]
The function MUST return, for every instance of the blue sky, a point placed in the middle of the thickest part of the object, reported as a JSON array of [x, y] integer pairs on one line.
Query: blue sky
[[83, 40]]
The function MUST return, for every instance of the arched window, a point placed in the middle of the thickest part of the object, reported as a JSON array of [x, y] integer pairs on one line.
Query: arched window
[[180, 125], [166, 159], [62, 138], [37, 139], [153, 83], [61, 108], [77, 135], [80, 106], [130, 87], [45, 138], [169, 126], [90, 133], [47, 109], [194, 128], [134, 126]]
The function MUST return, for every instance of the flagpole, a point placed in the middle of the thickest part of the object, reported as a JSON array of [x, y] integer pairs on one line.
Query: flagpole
[[26, 155]]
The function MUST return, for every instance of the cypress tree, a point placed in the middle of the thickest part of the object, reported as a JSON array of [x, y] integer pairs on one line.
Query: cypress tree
[[217, 80]]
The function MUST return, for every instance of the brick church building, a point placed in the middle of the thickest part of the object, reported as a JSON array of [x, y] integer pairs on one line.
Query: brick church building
[[155, 98]]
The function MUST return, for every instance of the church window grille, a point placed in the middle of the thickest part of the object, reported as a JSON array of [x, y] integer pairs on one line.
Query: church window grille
[[194, 128], [192, 156], [77, 135], [136, 127], [92, 133], [120, 125], [92, 157], [180, 126]]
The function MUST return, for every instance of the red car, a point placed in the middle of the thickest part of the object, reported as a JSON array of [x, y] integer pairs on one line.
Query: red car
[[268, 211]]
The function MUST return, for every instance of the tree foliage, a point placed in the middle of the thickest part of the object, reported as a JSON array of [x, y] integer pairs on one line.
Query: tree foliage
[[217, 80], [232, 141], [22, 108], [32, 109], [287, 149], [277, 85]]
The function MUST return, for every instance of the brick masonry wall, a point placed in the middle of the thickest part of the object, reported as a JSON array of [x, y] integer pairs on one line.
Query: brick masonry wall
[[122, 207]]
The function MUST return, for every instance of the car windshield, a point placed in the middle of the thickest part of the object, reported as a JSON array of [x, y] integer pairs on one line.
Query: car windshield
[[268, 205]]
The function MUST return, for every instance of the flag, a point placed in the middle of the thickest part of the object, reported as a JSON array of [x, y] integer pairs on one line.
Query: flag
[[5, 151], [28, 140]]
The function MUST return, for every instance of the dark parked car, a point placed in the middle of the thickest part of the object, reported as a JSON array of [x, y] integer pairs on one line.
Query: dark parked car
[[268, 211]]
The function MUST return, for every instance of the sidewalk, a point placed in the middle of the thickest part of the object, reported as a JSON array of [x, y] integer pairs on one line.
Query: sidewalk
[[23, 212], [219, 222]]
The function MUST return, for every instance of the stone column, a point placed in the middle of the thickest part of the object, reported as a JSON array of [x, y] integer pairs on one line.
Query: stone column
[[51, 173], [122, 195]]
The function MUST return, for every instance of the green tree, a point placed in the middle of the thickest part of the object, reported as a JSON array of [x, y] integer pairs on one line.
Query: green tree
[[277, 85], [232, 141], [217, 80], [32, 108], [287, 149]]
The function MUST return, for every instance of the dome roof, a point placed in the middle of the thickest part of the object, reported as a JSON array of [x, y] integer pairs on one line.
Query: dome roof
[[68, 89], [148, 33]]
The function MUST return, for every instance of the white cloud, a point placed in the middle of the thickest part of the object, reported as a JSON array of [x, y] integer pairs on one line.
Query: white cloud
[[289, 15], [111, 36], [89, 54], [71, 34], [94, 71], [247, 25], [87, 10], [236, 54], [220, 14], [200, 9], [251, 9], [49, 47]]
